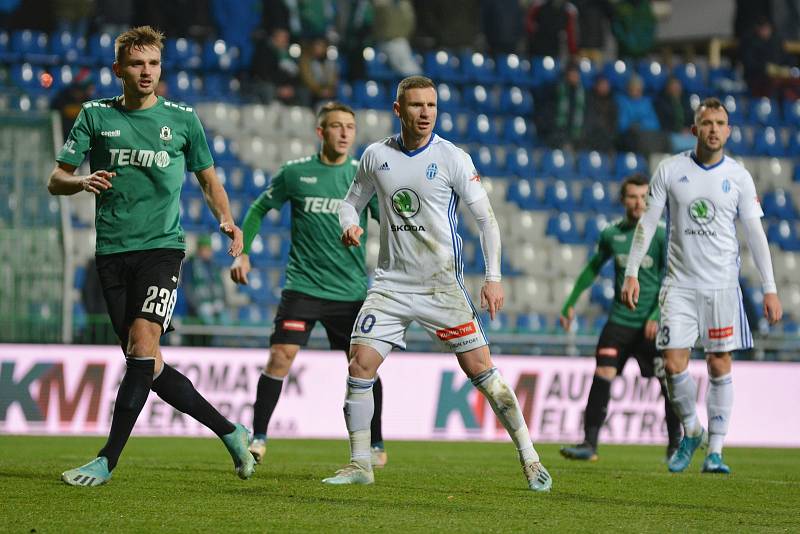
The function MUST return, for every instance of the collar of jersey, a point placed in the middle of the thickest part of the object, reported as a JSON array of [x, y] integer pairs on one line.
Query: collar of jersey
[[119, 106], [706, 167], [412, 153]]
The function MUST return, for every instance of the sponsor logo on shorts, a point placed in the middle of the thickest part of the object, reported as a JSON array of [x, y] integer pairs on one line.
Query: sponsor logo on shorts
[[454, 332], [611, 352], [720, 333], [297, 326]]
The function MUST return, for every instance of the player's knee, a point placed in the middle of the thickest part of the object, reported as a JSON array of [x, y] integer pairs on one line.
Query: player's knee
[[363, 364], [143, 338], [280, 361], [719, 365], [606, 371]]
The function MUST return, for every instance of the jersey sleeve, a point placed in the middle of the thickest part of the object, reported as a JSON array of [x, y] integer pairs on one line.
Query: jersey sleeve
[[749, 205], [464, 179], [657, 193], [273, 197], [79, 141], [374, 209], [276, 194], [198, 156]]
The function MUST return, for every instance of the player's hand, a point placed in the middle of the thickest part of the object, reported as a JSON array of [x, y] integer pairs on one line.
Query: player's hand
[[492, 297], [352, 236], [97, 182], [566, 320], [650, 330], [773, 310], [237, 239], [630, 292], [240, 268]]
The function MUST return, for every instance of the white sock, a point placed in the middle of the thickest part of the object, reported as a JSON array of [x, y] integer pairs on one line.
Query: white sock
[[683, 395], [719, 402], [505, 406], [359, 406]]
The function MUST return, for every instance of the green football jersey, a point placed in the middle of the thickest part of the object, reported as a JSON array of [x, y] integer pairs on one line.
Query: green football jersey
[[615, 241], [149, 150], [319, 265]]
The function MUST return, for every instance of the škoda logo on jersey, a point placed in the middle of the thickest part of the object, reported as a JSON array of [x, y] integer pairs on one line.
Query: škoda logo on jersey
[[405, 203]]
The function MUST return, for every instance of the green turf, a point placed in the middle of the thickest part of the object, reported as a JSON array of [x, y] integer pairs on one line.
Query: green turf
[[185, 485]]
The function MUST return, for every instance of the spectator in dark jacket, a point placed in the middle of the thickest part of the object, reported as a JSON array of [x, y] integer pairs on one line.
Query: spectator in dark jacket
[[673, 108], [600, 122], [545, 23], [274, 73]]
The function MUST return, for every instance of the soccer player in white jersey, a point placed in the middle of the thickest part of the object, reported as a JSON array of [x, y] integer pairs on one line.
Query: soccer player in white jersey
[[419, 179], [704, 192]]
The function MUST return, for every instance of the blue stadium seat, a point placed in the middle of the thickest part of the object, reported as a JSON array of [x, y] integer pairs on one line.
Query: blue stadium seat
[[449, 98], [557, 195], [487, 161], [516, 101], [768, 142], [740, 141], [562, 227], [26, 77], [557, 164], [221, 151], [593, 227], [479, 99], [520, 163], [533, 323], [184, 86], [448, 125], [7, 55], [442, 66], [101, 49], [629, 163], [377, 65], [546, 70], [653, 74], [793, 147], [481, 129], [69, 48], [344, 93], [726, 80], [596, 197], [218, 55], [778, 204], [370, 94], [32, 46], [735, 107], [791, 112], [602, 292], [501, 322], [588, 71], [253, 315], [182, 54], [784, 234], [594, 165], [765, 112], [691, 76], [618, 72], [523, 194], [518, 131], [478, 68], [192, 212], [513, 70]]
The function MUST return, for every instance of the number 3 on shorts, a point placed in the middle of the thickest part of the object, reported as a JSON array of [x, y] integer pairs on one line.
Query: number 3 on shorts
[[664, 336], [160, 301]]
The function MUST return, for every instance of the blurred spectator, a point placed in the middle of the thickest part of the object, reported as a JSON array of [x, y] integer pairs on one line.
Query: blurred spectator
[[176, 18], [600, 123], [275, 14], [747, 13], [311, 19], [318, 72], [447, 23], [113, 16], [70, 100], [274, 73], [236, 20], [567, 108], [202, 285], [355, 20], [593, 21], [502, 25], [548, 24], [637, 124], [72, 15], [394, 24], [633, 24], [673, 108], [786, 14], [766, 65]]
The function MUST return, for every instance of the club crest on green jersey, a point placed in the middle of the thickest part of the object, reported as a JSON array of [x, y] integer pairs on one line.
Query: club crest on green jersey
[[166, 133]]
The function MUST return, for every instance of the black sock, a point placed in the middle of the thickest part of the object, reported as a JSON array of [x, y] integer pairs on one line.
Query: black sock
[[375, 425], [178, 391], [131, 396], [674, 431], [267, 395], [596, 409]]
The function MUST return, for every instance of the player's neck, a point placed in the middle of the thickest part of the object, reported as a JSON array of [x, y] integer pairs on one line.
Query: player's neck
[[707, 157], [329, 157], [411, 142], [135, 102]]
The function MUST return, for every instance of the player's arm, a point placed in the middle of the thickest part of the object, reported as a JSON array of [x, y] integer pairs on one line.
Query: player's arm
[[642, 236], [217, 200], [583, 282], [64, 181], [358, 196], [489, 232], [250, 228], [759, 248]]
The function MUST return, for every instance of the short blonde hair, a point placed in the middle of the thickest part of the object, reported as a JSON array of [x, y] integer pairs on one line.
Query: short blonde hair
[[322, 114], [138, 37], [413, 82]]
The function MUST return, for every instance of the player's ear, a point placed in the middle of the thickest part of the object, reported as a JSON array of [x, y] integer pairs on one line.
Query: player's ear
[[694, 130], [117, 69], [396, 109]]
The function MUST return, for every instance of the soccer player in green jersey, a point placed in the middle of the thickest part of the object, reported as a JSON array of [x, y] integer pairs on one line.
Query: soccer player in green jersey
[[627, 332], [138, 146], [325, 281]]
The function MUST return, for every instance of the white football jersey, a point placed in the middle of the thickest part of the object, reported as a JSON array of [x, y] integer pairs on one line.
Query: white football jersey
[[419, 192], [702, 204]]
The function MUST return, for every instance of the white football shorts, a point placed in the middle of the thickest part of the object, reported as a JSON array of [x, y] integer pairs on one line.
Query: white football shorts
[[716, 316], [447, 316]]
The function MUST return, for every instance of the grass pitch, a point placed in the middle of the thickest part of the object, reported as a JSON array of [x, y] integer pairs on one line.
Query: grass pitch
[[188, 485]]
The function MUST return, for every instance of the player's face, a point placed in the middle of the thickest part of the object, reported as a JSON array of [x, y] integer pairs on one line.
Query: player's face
[[139, 69], [417, 111], [712, 129], [635, 201], [338, 133]]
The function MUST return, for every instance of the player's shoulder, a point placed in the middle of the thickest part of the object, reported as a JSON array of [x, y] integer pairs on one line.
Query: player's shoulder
[[98, 104], [178, 109], [676, 161], [448, 147], [735, 168], [296, 167], [299, 162], [613, 228]]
